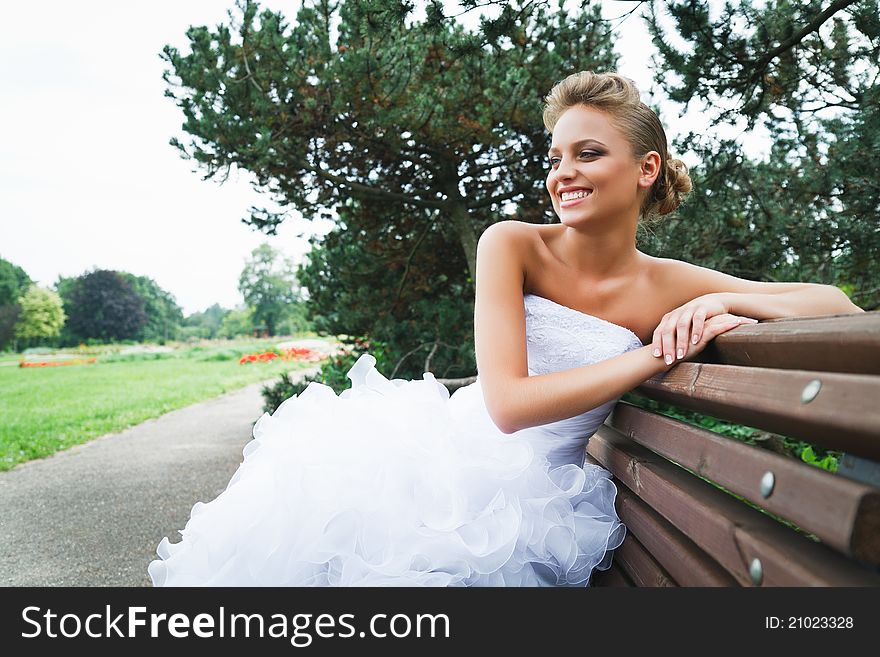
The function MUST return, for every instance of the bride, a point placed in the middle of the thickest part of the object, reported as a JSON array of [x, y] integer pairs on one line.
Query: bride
[[398, 483]]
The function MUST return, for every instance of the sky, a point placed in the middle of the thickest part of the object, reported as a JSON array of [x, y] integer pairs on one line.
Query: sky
[[87, 176]]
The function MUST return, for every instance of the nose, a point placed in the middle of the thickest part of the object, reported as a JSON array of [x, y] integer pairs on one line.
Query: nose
[[564, 170]]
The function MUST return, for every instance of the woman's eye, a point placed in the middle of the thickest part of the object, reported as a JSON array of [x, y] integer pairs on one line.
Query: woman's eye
[[554, 160]]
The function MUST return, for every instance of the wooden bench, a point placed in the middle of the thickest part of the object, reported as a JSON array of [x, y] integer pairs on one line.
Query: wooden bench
[[702, 509]]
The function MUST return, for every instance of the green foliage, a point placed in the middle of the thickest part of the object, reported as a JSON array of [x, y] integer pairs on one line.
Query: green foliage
[[828, 461], [204, 324], [236, 323], [295, 320], [269, 287], [42, 314], [412, 297], [13, 283], [102, 305], [808, 74], [285, 387], [163, 314]]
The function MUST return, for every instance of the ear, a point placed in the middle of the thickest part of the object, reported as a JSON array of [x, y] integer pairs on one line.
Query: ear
[[649, 169]]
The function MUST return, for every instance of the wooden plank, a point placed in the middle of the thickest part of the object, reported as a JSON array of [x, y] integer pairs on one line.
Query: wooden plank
[[834, 343], [683, 559], [844, 415], [640, 566], [842, 512], [730, 531], [613, 577]]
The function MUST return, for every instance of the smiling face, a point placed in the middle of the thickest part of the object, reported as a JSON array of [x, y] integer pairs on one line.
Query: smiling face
[[593, 172]]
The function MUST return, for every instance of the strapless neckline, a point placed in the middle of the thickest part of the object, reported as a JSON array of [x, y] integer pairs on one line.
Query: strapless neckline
[[580, 312]]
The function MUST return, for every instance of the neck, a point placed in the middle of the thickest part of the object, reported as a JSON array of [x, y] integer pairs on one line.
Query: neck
[[597, 253]]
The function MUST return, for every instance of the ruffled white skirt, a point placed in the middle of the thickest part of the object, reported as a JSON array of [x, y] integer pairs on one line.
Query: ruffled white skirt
[[394, 483]]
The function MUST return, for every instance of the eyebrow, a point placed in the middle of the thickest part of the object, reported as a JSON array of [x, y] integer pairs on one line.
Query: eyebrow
[[554, 149]]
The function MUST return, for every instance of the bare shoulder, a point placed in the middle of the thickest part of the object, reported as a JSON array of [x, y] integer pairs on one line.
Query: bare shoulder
[[517, 232], [518, 238]]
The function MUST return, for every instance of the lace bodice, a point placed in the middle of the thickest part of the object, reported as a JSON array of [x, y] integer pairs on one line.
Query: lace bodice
[[560, 338]]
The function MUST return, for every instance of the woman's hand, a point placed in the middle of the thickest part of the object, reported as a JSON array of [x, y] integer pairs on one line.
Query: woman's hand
[[683, 330], [714, 327]]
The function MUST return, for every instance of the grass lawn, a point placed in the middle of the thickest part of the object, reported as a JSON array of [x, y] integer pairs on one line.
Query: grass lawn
[[44, 410]]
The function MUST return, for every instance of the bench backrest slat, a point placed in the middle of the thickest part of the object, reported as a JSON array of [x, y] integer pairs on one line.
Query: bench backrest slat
[[702, 509], [844, 414], [843, 513], [683, 559], [833, 343], [640, 566], [730, 531]]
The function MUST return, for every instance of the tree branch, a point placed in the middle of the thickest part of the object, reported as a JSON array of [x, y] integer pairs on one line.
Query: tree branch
[[367, 190], [409, 260], [795, 39], [495, 199]]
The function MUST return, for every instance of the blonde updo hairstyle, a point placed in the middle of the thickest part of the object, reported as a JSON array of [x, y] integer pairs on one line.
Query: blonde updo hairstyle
[[618, 97]]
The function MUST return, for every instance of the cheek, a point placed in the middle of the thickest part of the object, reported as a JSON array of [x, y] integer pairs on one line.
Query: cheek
[[547, 186], [623, 178]]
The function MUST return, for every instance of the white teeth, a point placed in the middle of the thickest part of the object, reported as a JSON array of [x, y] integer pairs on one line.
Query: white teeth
[[568, 196]]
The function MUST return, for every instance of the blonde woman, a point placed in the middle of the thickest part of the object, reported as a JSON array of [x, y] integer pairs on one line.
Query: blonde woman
[[397, 483]]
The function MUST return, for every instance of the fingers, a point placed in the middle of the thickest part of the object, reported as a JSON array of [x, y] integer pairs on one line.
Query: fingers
[[699, 323], [723, 323], [682, 335], [671, 338], [726, 325]]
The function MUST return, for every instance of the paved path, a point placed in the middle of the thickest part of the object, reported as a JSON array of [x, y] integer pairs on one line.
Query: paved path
[[93, 515]]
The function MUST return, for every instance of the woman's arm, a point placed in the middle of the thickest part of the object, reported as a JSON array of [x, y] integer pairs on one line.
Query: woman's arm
[[812, 300], [710, 292], [514, 399], [533, 400]]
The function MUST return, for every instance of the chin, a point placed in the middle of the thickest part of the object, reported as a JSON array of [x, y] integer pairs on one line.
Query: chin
[[572, 219]]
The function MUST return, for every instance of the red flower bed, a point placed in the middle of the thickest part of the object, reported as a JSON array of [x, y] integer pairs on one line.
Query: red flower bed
[[286, 354], [56, 363]]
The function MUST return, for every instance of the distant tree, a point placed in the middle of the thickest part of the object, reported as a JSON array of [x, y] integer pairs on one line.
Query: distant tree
[[42, 315], [207, 322], [13, 283], [269, 286], [295, 321], [65, 284], [236, 323], [103, 305], [164, 316]]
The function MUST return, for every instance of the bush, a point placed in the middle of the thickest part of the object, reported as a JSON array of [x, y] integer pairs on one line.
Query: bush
[[37, 350], [223, 354], [333, 372], [129, 358]]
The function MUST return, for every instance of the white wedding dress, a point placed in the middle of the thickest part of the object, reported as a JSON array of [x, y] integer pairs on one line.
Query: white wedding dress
[[397, 483]]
